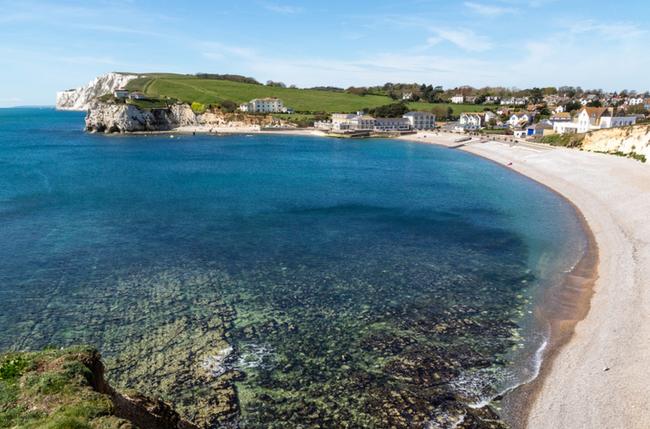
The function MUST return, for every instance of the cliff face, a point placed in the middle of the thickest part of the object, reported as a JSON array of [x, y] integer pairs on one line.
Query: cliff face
[[82, 98], [67, 389], [126, 118], [628, 140]]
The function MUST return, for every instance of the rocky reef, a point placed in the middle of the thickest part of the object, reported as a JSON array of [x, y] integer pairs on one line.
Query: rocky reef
[[83, 97], [59, 389]]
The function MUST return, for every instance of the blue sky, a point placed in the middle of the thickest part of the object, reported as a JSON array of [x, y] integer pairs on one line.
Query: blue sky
[[47, 46]]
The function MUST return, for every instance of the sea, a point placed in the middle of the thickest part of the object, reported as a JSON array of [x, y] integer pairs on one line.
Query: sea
[[262, 281]]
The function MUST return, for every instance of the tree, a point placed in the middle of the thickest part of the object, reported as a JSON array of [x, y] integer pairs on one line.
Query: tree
[[536, 95], [394, 110], [228, 106], [571, 106], [595, 103], [276, 84]]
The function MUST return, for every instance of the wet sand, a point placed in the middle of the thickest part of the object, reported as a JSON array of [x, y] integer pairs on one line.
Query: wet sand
[[595, 371]]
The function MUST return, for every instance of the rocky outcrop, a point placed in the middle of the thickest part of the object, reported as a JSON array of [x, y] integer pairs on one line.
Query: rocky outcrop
[[82, 98], [629, 141], [67, 389], [126, 118]]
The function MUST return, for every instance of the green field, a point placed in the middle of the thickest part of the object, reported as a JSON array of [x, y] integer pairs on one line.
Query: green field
[[212, 91]]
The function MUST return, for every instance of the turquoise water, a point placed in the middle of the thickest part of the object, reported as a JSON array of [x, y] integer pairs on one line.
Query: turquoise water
[[278, 281]]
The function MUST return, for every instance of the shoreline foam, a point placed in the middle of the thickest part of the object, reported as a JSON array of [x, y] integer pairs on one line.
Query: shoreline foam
[[595, 373]]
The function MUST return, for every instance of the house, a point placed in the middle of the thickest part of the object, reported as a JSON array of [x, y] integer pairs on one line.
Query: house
[[560, 117], [514, 101], [121, 93], [635, 101], [539, 129], [471, 121], [492, 99], [613, 120], [407, 96], [264, 105], [565, 127], [421, 120], [558, 109], [520, 134], [458, 99], [594, 118], [475, 120], [589, 118], [137, 96], [520, 120], [392, 124]]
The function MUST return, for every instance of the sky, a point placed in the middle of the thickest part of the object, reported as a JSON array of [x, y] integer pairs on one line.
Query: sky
[[47, 46]]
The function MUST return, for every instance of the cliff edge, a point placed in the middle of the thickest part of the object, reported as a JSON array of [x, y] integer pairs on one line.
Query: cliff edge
[[82, 98], [66, 389], [628, 141]]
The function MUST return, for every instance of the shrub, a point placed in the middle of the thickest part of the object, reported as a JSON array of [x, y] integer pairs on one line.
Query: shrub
[[228, 106], [198, 107], [12, 368]]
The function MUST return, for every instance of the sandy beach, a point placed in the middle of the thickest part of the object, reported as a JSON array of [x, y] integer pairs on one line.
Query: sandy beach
[[598, 377], [243, 129]]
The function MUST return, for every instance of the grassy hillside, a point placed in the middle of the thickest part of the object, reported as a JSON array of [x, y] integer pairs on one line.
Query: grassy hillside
[[211, 91]]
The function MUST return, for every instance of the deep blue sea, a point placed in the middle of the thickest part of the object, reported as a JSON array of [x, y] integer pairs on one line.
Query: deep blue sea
[[279, 281]]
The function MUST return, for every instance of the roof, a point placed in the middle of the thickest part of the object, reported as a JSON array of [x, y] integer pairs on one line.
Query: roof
[[595, 112]]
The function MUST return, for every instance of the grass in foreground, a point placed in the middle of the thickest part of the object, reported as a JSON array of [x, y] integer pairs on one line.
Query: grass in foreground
[[52, 390]]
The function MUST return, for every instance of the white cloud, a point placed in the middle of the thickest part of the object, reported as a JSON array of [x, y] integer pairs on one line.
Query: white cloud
[[282, 8], [219, 51], [463, 38], [610, 30], [490, 10]]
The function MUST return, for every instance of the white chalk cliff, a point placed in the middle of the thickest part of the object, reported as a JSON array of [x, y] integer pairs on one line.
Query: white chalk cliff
[[82, 98], [628, 140], [125, 118]]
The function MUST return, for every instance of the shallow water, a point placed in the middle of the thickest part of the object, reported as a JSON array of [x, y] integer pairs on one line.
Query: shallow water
[[276, 281]]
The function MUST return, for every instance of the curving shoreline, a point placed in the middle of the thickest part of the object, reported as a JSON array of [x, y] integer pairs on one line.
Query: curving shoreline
[[595, 373]]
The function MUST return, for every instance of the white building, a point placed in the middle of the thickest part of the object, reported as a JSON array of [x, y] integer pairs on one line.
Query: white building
[[421, 120], [475, 120], [263, 105], [342, 122], [471, 121], [137, 96], [492, 99], [520, 120], [593, 118], [121, 93], [635, 101], [352, 122], [513, 101], [392, 124], [458, 99]]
